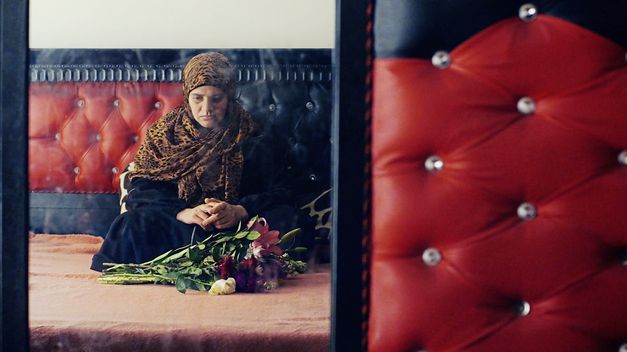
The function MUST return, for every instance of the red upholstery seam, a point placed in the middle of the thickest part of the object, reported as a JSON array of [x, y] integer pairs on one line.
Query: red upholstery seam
[[366, 228]]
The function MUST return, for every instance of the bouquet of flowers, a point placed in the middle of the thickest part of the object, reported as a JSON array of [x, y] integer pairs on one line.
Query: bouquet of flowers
[[246, 260]]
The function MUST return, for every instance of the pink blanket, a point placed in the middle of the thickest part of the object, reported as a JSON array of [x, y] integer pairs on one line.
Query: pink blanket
[[70, 311]]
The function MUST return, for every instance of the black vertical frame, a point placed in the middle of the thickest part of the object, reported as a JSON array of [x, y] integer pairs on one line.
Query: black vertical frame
[[13, 116], [351, 178]]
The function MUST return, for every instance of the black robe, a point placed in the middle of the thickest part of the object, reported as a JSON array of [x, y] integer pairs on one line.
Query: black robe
[[149, 226]]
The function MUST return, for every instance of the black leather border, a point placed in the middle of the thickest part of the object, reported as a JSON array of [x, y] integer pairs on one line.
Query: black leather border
[[409, 28], [179, 57], [350, 160], [13, 111]]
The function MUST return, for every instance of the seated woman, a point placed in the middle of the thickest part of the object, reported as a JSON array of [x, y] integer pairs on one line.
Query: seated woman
[[191, 169]]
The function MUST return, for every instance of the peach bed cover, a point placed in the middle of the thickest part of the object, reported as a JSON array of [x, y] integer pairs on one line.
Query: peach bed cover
[[70, 311]]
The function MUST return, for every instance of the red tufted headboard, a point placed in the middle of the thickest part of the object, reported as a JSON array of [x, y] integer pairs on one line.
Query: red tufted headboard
[[499, 177], [82, 135]]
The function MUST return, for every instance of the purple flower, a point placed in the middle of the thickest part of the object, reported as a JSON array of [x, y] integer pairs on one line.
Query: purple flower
[[246, 277]]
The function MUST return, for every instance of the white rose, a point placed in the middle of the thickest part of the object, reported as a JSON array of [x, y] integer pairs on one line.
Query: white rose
[[223, 287]]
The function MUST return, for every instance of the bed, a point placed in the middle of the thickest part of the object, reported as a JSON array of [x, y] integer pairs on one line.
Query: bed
[[86, 120], [70, 311]]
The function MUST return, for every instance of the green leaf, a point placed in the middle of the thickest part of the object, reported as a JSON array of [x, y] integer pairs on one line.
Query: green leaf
[[253, 235], [195, 271], [239, 226], [194, 254], [216, 253], [242, 234], [289, 235], [186, 264], [208, 260], [173, 275], [300, 249], [181, 284], [222, 240]]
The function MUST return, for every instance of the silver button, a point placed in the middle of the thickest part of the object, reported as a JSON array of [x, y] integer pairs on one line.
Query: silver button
[[116, 103], [80, 103], [57, 136], [441, 59], [158, 105], [528, 12], [622, 157], [77, 170], [526, 211], [313, 177], [526, 106], [523, 308], [115, 170], [272, 107], [98, 137], [309, 105], [135, 138], [431, 256], [434, 164]]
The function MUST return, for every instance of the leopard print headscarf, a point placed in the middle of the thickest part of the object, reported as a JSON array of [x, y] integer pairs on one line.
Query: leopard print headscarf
[[204, 163]]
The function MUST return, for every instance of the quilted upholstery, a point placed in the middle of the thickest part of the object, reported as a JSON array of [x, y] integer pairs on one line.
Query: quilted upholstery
[[499, 203], [83, 134]]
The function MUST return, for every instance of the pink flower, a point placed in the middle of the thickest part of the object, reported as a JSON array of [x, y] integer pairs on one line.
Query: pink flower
[[265, 244], [258, 224]]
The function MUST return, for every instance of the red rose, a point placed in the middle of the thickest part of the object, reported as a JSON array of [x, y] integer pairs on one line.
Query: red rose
[[226, 266]]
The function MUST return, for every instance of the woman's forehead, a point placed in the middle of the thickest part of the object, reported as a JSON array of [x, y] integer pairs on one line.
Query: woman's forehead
[[207, 90]]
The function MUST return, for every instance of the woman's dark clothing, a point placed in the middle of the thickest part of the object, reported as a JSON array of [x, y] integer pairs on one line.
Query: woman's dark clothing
[[149, 227]]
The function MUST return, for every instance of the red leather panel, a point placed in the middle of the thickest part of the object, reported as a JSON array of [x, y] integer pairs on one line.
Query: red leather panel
[[81, 135], [550, 282]]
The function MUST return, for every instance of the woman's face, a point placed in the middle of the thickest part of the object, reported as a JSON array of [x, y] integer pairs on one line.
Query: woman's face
[[208, 105]]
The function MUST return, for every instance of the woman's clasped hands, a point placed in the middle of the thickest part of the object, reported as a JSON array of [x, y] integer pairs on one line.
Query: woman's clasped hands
[[214, 213]]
